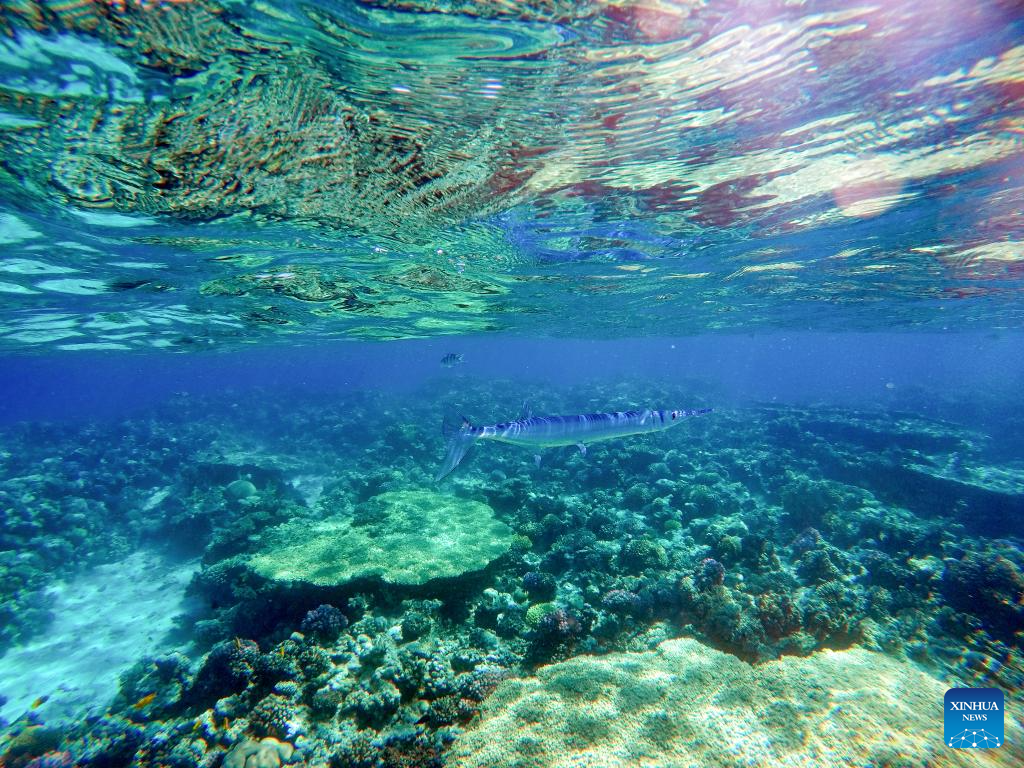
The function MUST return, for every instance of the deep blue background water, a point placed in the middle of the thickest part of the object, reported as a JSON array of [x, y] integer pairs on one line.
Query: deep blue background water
[[847, 369]]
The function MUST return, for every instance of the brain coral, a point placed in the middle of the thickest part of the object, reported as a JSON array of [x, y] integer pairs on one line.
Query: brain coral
[[687, 705], [400, 538]]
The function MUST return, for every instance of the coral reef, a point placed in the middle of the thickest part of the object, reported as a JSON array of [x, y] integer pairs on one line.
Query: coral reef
[[401, 538], [324, 623], [686, 704], [265, 753], [988, 585], [433, 600], [32, 744]]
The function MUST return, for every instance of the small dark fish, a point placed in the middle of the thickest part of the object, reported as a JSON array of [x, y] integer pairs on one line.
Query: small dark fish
[[452, 359]]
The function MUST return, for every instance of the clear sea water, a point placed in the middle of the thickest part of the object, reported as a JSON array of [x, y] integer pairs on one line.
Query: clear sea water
[[252, 255]]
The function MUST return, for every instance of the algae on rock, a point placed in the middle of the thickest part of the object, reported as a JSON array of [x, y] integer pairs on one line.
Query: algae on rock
[[400, 538], [687, 705]]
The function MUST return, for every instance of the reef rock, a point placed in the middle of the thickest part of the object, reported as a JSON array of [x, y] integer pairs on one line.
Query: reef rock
[[267, 753], [684, 704], [407, 538]]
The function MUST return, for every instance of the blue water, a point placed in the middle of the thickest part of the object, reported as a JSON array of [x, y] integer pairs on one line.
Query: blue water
[[253, 257], [866, 370]]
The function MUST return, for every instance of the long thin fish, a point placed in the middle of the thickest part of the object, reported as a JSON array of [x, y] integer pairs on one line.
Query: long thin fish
[[550, 431]]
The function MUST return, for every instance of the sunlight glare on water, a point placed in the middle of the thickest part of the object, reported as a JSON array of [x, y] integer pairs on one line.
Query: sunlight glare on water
[[205, 175]]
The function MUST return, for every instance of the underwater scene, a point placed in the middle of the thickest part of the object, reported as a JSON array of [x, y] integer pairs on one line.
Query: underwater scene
[[511, 383]]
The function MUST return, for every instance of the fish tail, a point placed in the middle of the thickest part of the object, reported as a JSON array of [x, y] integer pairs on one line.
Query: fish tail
[[459, 442]]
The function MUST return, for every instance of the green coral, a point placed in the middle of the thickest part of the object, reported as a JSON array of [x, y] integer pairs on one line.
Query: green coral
[[638, 554], [538, 611], [400, 538]]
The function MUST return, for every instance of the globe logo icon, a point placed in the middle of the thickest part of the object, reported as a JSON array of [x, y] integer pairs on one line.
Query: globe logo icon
[[974, 737]]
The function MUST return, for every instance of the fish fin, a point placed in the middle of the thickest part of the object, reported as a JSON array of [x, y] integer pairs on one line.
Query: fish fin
[[452, 425], [526, 412], [459, 442], [536, 460], [583, 449], [697, 411]]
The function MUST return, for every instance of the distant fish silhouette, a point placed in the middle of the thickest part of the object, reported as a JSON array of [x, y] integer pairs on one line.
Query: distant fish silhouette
[[452, 359]]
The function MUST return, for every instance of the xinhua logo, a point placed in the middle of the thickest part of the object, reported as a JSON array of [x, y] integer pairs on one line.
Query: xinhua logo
[[974, 718]]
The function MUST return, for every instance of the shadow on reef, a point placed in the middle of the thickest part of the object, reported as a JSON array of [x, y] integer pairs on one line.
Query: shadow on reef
[[329, 632]]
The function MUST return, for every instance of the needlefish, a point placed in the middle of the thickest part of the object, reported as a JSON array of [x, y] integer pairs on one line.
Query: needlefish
[[551, 431]]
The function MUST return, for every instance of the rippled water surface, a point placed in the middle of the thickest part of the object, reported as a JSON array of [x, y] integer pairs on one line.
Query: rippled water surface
[[188, 174], [613, 383]]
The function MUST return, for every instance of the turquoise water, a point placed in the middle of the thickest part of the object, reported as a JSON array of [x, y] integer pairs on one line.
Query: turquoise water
[[254, 255], [183, 174]]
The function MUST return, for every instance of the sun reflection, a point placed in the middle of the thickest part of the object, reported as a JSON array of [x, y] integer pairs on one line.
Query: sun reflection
[[864, 188]]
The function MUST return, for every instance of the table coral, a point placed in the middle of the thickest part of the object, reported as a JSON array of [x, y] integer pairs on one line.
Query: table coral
[[398, 538]]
